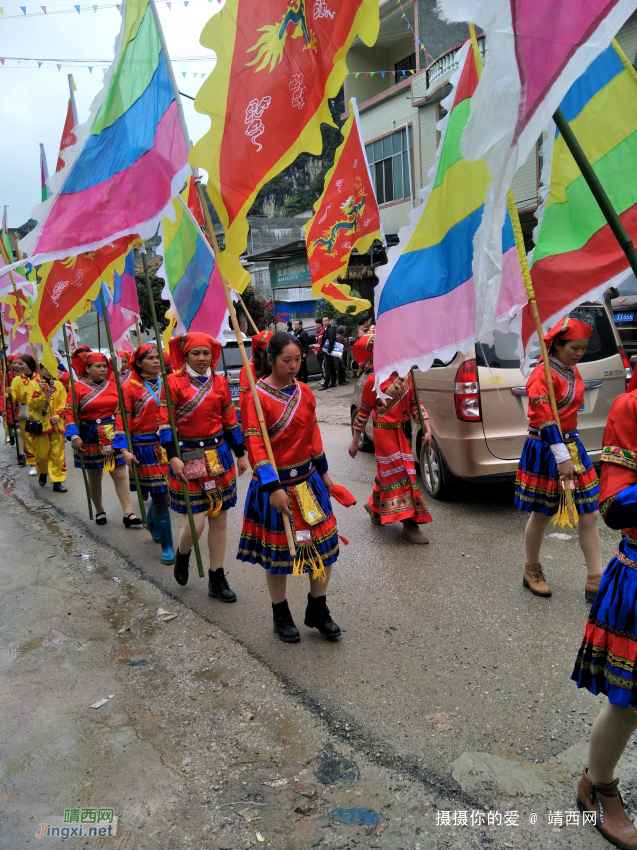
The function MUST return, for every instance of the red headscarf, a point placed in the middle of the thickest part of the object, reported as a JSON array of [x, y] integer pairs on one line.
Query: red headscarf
[[181, 345], [260, 341], [125, 354], [363, 349], [568, 328], [86, 358], [138, 355]]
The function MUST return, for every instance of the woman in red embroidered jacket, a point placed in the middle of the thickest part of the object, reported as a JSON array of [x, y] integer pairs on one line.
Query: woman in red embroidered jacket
[[396, 496], [207, 425], [607, 659], [549, 457], [302, 489], [142, 393], [97, 402]]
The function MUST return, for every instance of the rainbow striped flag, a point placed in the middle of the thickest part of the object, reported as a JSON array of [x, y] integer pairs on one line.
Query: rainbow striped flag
[[427, 304], [576, 257], [193, 281], [130, 157], [123, 305]]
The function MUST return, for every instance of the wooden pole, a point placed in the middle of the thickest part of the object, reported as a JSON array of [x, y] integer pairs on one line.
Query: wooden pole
[[139, 336], [122, 406], [76, 417], [244, 356], [169, 405], [530, 292]]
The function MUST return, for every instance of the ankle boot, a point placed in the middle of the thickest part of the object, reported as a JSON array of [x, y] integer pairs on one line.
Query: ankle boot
[[283, 622], [181, 567], [218, 586], [164, 532], [610, 817], [535, 580], [317, 616], [150, 522]]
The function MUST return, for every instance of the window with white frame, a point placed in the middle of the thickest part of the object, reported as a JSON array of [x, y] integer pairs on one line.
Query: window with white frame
[[389, 162]]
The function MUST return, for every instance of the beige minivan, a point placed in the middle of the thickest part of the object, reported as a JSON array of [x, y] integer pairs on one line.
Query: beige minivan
[[477, 406]]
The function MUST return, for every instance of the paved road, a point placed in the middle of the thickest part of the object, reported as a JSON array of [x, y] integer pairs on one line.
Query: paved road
[[442, 628]]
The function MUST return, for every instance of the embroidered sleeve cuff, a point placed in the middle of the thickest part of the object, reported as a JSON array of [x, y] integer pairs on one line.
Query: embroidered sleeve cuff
[[170, 449], [320, 462], [234, 436], [165, 434], [266, 475], [71, 431], [619, 456], [622, 511], [550, 433], [119, 442], [560, 452]]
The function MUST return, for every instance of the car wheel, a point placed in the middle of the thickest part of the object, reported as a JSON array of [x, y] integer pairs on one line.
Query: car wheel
[[364, 443], [441, 486]]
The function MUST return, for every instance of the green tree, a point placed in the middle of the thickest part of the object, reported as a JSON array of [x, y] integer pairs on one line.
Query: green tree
[[261, 311], [157, 285], [348, 320]]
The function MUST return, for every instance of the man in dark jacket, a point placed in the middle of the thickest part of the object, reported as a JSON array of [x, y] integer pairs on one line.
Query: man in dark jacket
[[329, 338], [304, 342]]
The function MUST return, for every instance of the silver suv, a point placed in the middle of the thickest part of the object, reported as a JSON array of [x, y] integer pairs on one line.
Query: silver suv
[[477, 405]]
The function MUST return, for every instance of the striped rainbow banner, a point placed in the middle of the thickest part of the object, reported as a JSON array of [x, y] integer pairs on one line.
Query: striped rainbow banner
[[193, 282], [427, 305], [130, 156], [576, 256]]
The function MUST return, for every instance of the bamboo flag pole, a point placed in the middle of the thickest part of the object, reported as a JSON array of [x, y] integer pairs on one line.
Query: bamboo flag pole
[[139, 337], [16, 426], [122, 406], [244, 356], [530, 292], [77, 420], [169, 406]]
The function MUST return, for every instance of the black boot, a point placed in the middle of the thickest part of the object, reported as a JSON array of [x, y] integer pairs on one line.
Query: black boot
[[181, 567], [283, 622], [317, 616], [218, 586], [58, 487], [22, 460], [42, 480]]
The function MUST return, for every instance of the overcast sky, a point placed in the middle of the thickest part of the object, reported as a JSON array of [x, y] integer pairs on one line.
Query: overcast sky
[[33, 101]]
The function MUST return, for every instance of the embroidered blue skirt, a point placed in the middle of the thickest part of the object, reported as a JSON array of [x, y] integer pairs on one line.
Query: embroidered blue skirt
[[263, 540], [225, 484], [93, 456], [153, 465]]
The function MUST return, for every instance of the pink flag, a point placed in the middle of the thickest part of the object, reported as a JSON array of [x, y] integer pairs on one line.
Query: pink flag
[[536, 51]]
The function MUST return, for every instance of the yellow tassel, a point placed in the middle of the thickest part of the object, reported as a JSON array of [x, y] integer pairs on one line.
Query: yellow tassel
[[308, 556], [109, 463], [561, 517], [215, 506]]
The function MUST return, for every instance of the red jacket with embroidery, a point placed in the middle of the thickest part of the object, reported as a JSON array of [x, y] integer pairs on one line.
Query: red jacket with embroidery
[[569, 395], [94, 401], [294, 433], [142, 411], [619, 458], [202, 409]]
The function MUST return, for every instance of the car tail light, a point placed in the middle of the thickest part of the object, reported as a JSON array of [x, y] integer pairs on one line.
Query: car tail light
[[466, 392], [629, 369]]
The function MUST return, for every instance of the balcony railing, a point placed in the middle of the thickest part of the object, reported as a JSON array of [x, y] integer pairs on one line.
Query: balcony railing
[[448, 62]]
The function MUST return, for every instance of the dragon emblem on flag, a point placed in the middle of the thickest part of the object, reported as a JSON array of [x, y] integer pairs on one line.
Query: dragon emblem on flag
[[352, 213], [271, 44]]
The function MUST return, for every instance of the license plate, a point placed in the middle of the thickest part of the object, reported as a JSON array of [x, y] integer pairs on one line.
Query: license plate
[[234, 389], [624, 317]]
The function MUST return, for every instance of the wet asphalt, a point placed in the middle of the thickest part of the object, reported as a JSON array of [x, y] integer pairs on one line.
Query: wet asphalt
[[443, 628]]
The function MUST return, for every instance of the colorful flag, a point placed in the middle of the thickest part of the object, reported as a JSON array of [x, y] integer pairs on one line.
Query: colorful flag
[[346, 217], [44, 174], [278, 63], [537, 49], [426, 308], [17, 336], [576, 257], [122, 307], [68, 136], [130, 158], [66, 285], [193, 281]]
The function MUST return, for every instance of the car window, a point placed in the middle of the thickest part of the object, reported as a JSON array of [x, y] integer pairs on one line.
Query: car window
[[232, 354], [629, 286], [503, 354]]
